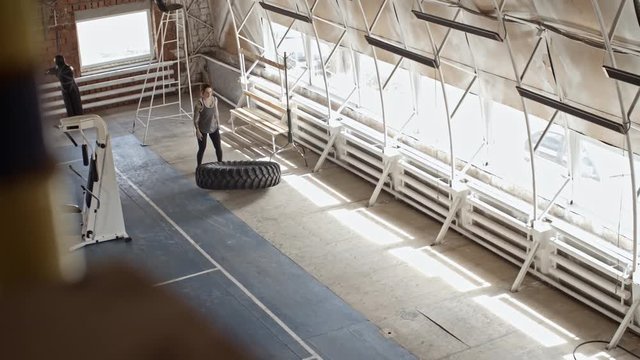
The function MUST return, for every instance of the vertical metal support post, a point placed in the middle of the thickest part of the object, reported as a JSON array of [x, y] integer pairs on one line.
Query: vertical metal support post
[[623, 325], [444, 96], [375, 61], [459, 196], [626, 121], [146, 79], [177, 24], [633, 311], [414, 95], [322, 62], [516, 74], [186, 55], [275, 49], [164, 24], [455, 206], [380, 184], [533, 249], [390, 157], [335, 132], [236, 30], [540, 235], [567, 133]]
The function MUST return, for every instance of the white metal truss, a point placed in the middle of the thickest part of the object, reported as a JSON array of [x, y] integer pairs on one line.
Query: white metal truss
[[459, 190], [538, 230], [391, 159], [369, 29], [144, 113], [239, 23], [608, 36], [573, 260]]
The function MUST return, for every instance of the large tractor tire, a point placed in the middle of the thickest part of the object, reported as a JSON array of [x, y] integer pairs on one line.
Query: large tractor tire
[[236, 175]]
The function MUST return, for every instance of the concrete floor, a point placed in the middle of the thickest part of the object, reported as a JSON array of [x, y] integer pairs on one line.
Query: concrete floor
[[447, 302]]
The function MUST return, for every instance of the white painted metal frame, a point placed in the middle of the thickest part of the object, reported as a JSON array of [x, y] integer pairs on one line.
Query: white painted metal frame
[[102, 218], [608, 36], [245, 72], [535, 244], [369, 29], [334, 126], [144, 113], [518, 230], [460, 191]]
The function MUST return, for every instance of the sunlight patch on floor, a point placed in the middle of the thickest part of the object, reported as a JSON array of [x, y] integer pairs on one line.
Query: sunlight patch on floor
[[432, 264]]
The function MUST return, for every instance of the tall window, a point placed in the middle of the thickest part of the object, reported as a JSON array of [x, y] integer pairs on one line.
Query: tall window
[[114, 39]]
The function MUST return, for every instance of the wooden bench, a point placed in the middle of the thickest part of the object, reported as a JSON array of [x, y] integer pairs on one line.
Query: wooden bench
[[263, 113]]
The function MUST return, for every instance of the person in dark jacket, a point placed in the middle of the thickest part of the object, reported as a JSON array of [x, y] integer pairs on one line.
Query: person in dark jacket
[[70, 90]]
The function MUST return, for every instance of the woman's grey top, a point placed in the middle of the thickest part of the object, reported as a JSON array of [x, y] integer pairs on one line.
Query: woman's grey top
[[206, 118]]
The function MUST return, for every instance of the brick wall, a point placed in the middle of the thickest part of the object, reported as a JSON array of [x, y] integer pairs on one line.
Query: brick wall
[[59, 32], [59, 28]]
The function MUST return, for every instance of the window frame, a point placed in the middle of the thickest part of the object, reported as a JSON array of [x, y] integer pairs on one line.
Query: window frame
[[113, 11]]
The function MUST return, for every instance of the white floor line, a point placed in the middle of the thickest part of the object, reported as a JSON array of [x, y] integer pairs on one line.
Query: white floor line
[[225, 272], [186, 277]]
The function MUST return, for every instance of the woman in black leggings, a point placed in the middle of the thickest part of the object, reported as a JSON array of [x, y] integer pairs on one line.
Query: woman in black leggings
[[206, 120]]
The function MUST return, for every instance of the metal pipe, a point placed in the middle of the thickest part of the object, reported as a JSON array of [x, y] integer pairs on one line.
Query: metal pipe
[[238, 47], [395, 68], [251, 42], [507, 42], [446, 35], [612, 287], [526, 67], [446, 102], [555, 197], [186, 62], [588, 289], [466, 91], [246, 17], [468, 165], [335, 47], [165, 18], [329, 22], [616, 19], [376, 18], [346, 101], [404, 125], [414, 93], [286, 32], [633, 104], [546, 129], [375, 62], [324, 68], [625, 121], [275, 49]]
